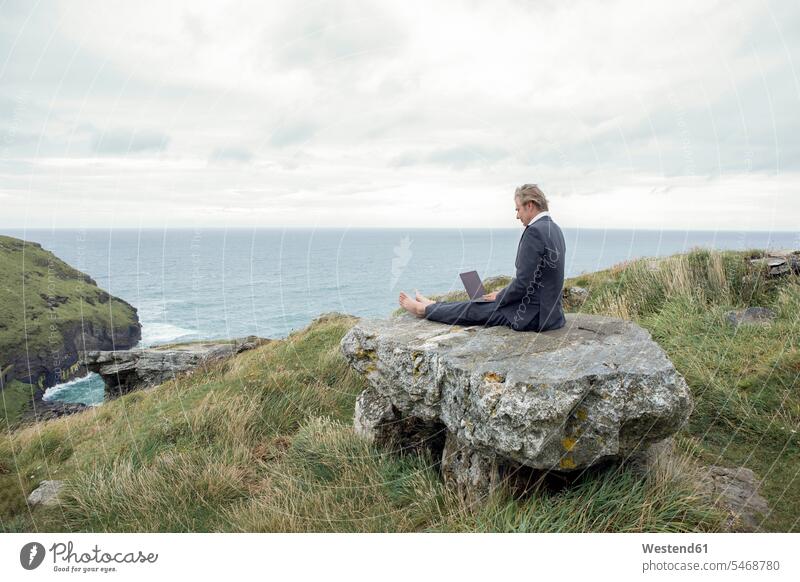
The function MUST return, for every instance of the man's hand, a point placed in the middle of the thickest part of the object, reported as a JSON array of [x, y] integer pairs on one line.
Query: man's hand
[[491, 296]]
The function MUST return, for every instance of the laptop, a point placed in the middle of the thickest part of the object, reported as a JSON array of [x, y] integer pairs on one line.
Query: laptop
[[474, 286]]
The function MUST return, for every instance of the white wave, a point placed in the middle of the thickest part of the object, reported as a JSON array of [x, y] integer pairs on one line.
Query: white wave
[[52, 392], [162, 333]]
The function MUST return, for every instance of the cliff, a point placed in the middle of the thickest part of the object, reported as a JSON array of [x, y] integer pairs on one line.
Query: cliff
[[50, 315]]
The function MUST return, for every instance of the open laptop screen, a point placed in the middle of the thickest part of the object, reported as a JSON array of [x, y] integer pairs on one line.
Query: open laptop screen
[[473, 285]]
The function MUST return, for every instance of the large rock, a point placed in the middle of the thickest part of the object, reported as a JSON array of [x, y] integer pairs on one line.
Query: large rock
[[598, 389], [46, 493], [126, 370]]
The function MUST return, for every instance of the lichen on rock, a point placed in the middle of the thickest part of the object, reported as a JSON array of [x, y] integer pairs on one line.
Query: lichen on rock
[[598, 389]]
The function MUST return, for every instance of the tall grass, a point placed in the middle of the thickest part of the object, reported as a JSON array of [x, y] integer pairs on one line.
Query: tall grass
[[744, 379], [642, 287]]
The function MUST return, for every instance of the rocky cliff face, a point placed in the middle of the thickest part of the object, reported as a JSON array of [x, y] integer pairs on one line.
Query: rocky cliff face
[[61, 362], [51, 314]]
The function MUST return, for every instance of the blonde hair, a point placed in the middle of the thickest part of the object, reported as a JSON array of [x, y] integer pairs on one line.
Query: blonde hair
[[531, 193]]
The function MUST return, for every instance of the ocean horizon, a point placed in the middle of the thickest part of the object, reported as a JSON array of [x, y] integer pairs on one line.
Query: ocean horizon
[[192, 283]]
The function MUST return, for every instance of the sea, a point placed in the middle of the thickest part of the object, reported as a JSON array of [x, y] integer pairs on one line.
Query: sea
[[211, 283]]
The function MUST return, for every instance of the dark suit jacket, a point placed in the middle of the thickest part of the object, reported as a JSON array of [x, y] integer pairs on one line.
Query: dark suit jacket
[[532, 301]]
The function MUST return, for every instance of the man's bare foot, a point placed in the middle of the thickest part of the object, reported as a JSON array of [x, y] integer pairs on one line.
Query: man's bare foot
[[422, 299], [411, 305]]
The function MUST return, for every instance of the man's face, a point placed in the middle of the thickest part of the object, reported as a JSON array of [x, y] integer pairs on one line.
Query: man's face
[[525, 212]]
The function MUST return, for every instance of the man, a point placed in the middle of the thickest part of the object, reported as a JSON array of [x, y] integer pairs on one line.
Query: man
[[532, 301]]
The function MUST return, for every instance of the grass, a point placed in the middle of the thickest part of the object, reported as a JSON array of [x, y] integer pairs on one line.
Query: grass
[[15, 398], [263, 441], [744, 380]]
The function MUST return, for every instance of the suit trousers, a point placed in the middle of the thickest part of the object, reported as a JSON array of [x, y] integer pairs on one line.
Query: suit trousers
[[483, 313]]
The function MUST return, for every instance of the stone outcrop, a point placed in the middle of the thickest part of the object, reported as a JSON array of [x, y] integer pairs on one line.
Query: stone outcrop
[[777, 263], [126, 370], [750, 316], [46, 494], [48, 410], [596, 390], [735, 489]]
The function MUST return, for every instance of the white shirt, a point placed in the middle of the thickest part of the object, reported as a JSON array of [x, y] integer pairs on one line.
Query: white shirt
[[538, 216]]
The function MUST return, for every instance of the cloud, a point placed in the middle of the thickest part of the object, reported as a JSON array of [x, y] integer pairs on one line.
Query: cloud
[[330, 33], [231, 154], [291, 134], [450, 101], [127, 141], [457, 157]]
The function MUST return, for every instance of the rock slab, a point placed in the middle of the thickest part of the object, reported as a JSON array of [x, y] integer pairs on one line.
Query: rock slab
[[126, 370], [597, 389]]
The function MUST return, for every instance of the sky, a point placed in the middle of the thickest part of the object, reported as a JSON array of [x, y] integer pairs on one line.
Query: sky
[[627, 114]]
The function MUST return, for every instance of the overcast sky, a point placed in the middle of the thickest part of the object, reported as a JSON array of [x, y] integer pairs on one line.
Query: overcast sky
[[627, 114]]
